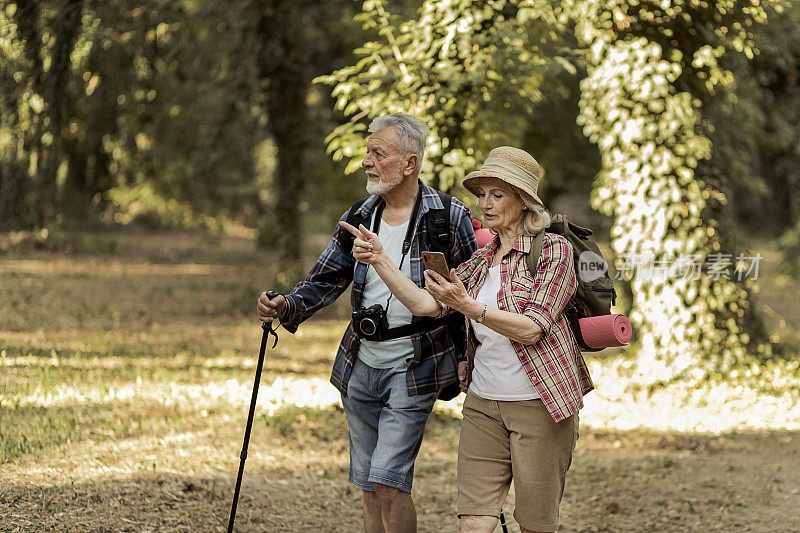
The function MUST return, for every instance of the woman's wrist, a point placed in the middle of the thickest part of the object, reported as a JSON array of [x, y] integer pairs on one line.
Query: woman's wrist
[[473, 309], [383, 263], [442, 308]]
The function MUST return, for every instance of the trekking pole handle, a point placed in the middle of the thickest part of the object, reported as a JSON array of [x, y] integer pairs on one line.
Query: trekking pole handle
[[266, 326]]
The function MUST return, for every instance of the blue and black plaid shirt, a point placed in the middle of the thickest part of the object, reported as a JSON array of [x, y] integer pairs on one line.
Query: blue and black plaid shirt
[[435, 358]]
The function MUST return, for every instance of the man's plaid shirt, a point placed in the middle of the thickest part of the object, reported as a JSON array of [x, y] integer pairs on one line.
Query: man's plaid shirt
[[554, 365], [435, 358]]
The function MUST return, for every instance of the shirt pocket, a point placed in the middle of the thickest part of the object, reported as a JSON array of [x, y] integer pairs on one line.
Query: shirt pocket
[[520, 292]]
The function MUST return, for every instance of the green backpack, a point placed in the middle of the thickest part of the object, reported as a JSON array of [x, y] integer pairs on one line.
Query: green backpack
[[595, 293]]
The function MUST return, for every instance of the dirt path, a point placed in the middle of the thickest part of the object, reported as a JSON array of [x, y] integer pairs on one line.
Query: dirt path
[[182, 482]]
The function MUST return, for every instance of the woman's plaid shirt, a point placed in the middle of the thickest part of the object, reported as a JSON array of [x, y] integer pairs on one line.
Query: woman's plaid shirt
[[435, 357], [554, 365]]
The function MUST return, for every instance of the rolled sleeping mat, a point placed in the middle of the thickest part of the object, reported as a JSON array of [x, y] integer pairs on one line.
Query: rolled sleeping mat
[[605, 331]]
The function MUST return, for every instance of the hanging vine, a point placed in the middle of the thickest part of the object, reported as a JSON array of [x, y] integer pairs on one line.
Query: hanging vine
[[650, 67]]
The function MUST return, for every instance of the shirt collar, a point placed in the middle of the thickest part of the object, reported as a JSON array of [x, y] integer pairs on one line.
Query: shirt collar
[[430, 200], [522, 244]]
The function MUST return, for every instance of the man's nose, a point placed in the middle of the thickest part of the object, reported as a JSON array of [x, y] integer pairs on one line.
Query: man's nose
[[366, 162]]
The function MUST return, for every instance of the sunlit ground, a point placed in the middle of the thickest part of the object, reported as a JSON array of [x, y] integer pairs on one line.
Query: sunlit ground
[[712, 407]]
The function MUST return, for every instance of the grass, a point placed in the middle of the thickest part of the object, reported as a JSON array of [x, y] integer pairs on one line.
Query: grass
[[126, 368]]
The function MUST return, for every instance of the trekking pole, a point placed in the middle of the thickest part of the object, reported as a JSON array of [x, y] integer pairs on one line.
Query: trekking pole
[[267, 327], [503, 522]]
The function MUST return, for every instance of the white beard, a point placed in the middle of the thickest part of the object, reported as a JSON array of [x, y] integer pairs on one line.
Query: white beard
[[382, 187]]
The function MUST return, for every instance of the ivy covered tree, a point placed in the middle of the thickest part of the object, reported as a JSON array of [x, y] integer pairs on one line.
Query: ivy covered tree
[[652, 69]]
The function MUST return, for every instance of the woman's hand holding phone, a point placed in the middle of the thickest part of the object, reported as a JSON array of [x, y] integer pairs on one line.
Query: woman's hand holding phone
[[447, 288], [437, 262]]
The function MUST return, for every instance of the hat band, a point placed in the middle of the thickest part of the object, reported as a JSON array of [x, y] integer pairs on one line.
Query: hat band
[[504, 166]]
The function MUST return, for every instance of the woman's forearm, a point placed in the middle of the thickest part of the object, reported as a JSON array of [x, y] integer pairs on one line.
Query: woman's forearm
[[417, 300], [514, 326]]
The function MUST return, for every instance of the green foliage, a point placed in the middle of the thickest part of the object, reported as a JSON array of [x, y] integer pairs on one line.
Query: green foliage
[[175, 80], [471, 70], [158, 113], [143, 204], [144, 95]]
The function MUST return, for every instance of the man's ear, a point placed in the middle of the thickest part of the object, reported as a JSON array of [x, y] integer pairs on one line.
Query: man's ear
[[411, 164]]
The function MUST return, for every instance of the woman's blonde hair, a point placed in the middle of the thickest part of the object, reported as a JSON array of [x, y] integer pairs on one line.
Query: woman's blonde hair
[[535, 218]]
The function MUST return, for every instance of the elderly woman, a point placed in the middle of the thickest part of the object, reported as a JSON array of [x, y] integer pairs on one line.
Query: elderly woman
[[524, 376]]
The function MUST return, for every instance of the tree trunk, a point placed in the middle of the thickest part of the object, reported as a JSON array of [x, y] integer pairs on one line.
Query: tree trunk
[[42, 148], [28, 154], [284, 60], [68, 26]]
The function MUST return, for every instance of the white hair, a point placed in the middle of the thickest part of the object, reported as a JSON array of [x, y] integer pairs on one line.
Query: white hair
[[535, 218], [412, 132]]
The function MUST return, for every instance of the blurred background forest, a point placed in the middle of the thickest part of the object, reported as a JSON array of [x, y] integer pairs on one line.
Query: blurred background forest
[[203, 114]]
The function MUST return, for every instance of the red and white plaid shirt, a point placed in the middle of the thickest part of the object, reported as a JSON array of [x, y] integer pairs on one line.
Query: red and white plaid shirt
[[554, 365]]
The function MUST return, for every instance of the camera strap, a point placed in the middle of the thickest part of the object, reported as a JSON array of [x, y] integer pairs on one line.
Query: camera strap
[[424, 324], [412, 227]]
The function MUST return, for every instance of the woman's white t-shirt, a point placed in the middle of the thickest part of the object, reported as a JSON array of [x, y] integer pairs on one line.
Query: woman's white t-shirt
[[497, 373]]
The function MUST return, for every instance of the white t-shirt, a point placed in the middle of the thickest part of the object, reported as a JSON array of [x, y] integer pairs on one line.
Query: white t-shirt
[[498, 373], [387, 354]]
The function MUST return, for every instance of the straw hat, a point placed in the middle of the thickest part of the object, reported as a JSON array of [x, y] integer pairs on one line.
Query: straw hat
[[512, 165]]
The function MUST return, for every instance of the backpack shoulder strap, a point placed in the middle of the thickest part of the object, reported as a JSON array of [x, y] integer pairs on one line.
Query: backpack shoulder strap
[[351, 214], [558, 225], [438, 227], [532, 259], [354, 220]]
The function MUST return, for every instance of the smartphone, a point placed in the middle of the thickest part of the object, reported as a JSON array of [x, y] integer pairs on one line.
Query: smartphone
[[436, 262]]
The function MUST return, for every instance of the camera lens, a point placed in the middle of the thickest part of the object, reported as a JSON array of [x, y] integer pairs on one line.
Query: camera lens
[[368, 326]]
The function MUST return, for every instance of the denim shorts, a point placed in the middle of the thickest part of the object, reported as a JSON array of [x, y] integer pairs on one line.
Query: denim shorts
[[386, 426]]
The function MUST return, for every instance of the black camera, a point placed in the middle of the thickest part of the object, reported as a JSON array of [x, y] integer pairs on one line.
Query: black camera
[[370, 322]]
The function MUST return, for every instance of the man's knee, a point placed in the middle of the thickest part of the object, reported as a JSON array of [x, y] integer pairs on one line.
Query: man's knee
[[388, 494], [371, 500]]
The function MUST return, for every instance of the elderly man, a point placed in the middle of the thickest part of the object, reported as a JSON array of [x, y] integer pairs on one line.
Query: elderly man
[[388, 385]]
